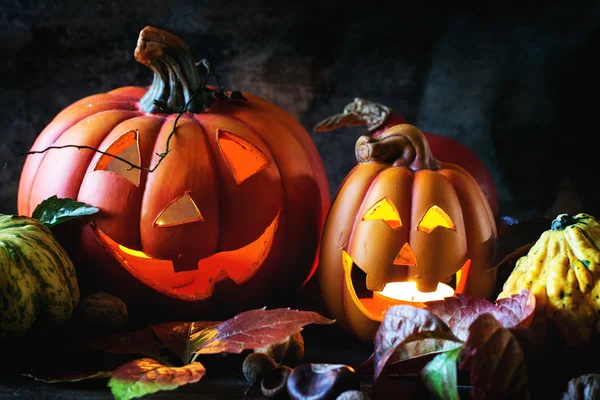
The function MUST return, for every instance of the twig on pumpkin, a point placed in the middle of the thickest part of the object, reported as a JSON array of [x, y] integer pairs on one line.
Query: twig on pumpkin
[[217, 94], [131, 165]]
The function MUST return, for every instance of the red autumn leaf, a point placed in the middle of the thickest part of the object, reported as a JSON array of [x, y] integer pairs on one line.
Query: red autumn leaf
[[258, 328], [495, 361], [145, 376], [403, 325], [182, 338], [460, 311]]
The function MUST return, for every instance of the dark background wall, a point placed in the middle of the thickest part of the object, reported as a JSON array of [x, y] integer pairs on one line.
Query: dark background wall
[[516, 84]]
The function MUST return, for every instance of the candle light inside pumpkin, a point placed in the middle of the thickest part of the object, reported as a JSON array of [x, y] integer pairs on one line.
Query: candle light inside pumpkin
[[395, 293]]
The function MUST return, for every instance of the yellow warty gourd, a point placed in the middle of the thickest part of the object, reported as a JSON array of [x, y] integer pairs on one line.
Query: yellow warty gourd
[[562, 270]]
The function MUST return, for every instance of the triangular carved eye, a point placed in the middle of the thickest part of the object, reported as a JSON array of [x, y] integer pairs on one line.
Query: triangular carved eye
[[435, 217], [384, 210], [181, 211], [243, 158], [126, 147]]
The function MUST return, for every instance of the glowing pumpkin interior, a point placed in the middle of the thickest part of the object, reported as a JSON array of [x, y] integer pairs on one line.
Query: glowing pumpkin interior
[[374, 304], [243, 160]]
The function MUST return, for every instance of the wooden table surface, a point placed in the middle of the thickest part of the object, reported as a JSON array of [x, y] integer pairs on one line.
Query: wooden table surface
[[223, 379]]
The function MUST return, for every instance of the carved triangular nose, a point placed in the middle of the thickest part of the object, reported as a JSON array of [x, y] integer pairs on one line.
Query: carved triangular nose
[[406, 256]]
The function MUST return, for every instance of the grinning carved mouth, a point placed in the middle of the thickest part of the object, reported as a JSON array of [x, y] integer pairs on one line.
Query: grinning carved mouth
[[239, 265], [374, 304]]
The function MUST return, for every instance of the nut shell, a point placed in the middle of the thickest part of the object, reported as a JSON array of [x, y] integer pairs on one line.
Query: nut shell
[[103, 310]]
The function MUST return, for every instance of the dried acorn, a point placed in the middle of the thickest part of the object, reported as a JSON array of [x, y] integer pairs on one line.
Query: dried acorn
[[276, 351], [295, 351], [321, 381], [274, 384], [256, 366], [103, 311], [290, 352]]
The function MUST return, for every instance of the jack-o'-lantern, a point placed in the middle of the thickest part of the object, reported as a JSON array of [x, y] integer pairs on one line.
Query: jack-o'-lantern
[[403, 229], [230, 213]]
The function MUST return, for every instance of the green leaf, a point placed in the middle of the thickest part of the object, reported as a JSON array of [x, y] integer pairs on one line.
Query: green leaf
[[54, 210], [145, 376], [439, 375]]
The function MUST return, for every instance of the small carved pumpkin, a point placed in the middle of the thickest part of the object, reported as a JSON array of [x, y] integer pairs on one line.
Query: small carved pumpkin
[[403, 229], [233, 211]]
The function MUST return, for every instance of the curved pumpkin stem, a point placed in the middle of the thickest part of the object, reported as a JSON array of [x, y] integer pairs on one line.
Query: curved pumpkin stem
[[176, 77], [400, 145]]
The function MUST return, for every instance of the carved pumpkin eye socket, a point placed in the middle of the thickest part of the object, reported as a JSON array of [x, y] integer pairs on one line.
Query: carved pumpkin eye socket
[[126, 147], [242, 157], [435, 217], [181, 211], [384, 210]]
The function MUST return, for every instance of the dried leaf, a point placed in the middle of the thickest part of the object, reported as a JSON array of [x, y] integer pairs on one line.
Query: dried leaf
[[495, 360], [58, 367], [402, 325], [54, 210], [145, 376], [460, 311], [142, 342], [183, 338], [439, 375], [257, 328]]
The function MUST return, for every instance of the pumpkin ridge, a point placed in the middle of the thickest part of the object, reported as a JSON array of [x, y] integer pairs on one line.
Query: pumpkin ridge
[[28, 178], [280, 157], [297, 130]]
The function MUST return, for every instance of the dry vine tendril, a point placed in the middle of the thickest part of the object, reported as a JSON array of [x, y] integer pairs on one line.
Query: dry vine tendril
[[208, 97]]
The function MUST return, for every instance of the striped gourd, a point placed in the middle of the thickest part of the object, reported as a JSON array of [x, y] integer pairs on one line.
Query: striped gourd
[[562, 270], [37, 277]]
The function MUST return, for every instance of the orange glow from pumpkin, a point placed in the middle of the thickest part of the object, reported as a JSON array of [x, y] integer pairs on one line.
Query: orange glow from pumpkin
[[126, 147], [406, 256], [384, 210], [396, 293], [182, 211], [240, 265], [435, 217], [408, 292], [242, 157]]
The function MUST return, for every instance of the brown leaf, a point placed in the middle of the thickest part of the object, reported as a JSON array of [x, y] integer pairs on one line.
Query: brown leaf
[[182, 337], [460, 311], [142, 342], [403, 325], [495, 361], [144, 376], [258, 328]]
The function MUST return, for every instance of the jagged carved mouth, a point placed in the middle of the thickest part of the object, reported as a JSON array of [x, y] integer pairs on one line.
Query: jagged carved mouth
[[374, 304], [239, 265]]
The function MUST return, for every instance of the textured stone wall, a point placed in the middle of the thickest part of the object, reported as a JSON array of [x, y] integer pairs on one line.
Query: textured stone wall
[[518, 86]]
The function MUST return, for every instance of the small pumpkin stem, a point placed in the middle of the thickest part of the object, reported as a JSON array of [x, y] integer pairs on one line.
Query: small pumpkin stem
[[562, 221], [176, 77], [400, 145], [358, 113]]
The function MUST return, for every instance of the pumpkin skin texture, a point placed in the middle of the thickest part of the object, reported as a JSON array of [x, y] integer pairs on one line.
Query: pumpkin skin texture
[[562, 270], [37, 277], [242, 186], [397, 171], [378, 118]]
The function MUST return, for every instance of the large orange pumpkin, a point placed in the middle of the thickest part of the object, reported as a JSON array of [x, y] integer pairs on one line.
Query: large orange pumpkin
[[232, 212], [403, 229]]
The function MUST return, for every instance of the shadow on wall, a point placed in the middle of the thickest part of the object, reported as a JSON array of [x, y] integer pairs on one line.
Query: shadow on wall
[[548, 165]]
